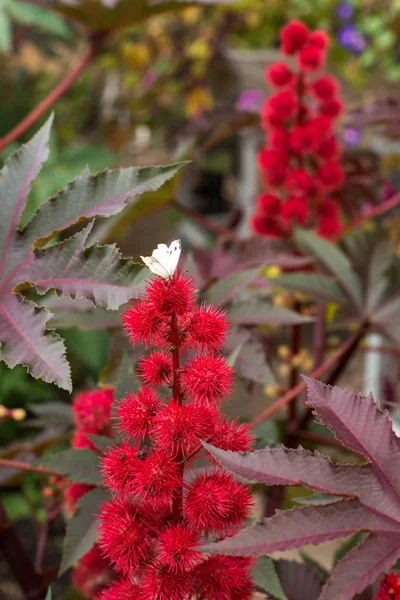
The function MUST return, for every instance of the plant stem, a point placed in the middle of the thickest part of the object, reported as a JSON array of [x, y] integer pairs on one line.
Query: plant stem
[[376, 211], [316, 438], [55, 94], [16, 464], [319, 336], [32, 584], [206, 223], [177, 397], [293, 377], [294, 392]]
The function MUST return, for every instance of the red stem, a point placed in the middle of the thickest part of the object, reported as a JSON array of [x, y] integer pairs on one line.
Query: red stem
[[294, 392], [206, 223], [294, 349], [177, 397], [316, 438], [54, 95], [16, 464], [376, 211], [319, 336]]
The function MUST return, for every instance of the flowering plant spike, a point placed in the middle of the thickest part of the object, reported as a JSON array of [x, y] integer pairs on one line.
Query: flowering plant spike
[[162, 505], [300, 163]]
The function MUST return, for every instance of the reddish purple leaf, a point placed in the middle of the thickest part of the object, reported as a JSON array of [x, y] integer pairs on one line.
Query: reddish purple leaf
[[17, 175], [282, 466], [96, 273], [25, 341], [294, 528], [363, 428], [223, 260], [362, 566], [299, 581], [375, 508]]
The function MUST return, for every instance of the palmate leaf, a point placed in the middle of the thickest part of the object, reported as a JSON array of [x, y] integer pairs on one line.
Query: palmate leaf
[[299, 580], [375, 489], [262, 313], [266, 578], [315, 286], [96, 273], [334, 261], [81, 466], [82, 528]]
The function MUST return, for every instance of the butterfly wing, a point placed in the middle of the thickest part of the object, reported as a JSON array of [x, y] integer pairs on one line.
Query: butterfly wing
[[161, 253], [155, 266], [174, 252]]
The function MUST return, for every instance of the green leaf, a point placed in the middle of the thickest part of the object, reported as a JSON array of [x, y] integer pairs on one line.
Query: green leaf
[[53, 413], [82, 528], [81, 314], [348, 545], [49, 595], [315, 286], [333, 260], [102, 442], [317, 498], [5, 32], [28, 14], [267, 434], [231, 360], [126, 378], [81, 466], [266, 578]]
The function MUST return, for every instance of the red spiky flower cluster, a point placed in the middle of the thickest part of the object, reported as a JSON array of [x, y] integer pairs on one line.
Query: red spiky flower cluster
[[300, 164], [162, 506], [92, 415], [390, 588]]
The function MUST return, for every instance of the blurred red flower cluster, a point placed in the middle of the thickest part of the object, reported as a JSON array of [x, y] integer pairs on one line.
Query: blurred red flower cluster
[[390, 588], [300, 165], [92, 415]]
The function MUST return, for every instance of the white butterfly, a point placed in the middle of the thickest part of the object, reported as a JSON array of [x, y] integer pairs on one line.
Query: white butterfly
[[164, 260]]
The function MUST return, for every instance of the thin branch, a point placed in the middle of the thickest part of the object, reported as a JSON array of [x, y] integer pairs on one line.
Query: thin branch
[[294, 392], [54, 95], [319, 336], [206, 223], [16, 464], [294, 373], [376, 211], [317, 438]]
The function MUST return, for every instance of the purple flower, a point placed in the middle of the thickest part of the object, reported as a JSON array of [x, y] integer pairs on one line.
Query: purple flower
[[250, 101], [351, 136], [344, 11], [352, 39]]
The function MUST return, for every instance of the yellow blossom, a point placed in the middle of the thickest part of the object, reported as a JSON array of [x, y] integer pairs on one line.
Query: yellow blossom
[[272, 271], [198, 100], [18, 414]]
